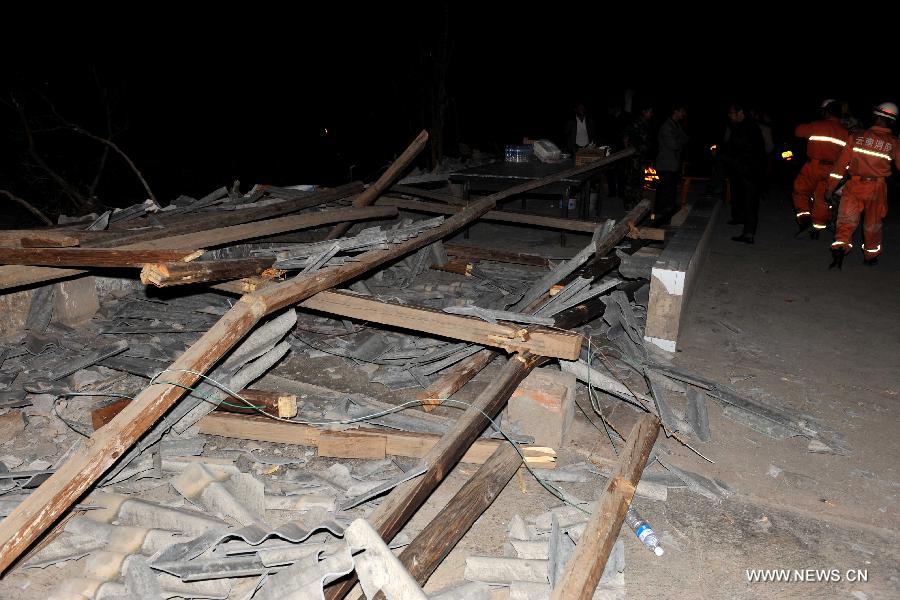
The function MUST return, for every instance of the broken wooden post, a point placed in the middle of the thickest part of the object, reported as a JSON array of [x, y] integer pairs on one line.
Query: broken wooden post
[[387, 178], [403, 501], [580, 578], [202, 271], [87, 464]]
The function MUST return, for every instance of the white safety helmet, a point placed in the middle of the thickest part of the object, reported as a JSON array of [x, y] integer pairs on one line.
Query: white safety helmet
[[888, 110], [826, 102]]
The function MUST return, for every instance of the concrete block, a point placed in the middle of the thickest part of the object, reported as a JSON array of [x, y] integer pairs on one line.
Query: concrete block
[[543, 406], [75, 301]]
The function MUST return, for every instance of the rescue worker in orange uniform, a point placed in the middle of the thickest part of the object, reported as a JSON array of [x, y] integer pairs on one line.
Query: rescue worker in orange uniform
[[866, 160], [826, 138]]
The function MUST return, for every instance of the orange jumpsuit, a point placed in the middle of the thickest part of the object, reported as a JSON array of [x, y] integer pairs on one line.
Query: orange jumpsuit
[[826, 139], [867, 159]]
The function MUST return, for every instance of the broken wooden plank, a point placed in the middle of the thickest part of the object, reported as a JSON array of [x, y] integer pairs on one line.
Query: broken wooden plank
[[362, 442], [383, 182], [201, 271], [432, 545], [12, 276], [580, 578], [93, 257], [491, 254], [179, 224], [88, 463], [537, 340], [451, 382]]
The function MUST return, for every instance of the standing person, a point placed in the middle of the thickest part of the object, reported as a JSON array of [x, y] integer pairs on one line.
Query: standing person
[[672, 141], [744, 157], [866, 160], [826, 138], [580, 130], [637, 136]]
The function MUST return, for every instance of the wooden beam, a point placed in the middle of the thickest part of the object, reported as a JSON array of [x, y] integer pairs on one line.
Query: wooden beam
[[169, 274], [405, 499], [88, 463], [452, 381], [362, 442], [248, 231], [501, 216], [512, 338], [410, 190], [432, 545], [581, 575], [494, 215], [36, 238], [92, 257], [476, 253], [383, 182]]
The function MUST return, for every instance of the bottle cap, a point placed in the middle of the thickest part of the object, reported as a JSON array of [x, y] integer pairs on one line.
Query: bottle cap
[[658, 551]]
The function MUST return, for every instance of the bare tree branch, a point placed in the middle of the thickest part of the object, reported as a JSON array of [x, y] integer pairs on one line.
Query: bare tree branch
[[77, 198], [109, 134], [109, 143], [27, 206]]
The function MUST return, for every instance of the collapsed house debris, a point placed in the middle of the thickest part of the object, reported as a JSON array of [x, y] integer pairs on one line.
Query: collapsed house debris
[[144, 409]]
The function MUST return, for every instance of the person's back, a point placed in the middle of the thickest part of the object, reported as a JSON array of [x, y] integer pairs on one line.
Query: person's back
[[825, 138]]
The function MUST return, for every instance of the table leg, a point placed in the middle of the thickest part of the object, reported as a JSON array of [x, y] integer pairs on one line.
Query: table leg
[[564, 212]]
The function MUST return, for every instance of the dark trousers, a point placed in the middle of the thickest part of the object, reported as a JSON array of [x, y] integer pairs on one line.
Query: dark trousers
[[745, 202], [666, 194]]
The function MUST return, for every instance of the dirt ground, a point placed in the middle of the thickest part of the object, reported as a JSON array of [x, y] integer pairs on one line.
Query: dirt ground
[[772, 321]]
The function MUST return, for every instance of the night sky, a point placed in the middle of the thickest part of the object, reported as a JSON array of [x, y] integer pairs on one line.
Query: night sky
[[197, 106]]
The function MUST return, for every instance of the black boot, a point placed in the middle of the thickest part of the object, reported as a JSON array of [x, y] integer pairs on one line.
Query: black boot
[[744, 237], [814, 234], [803, 223], [837, 258], [871, 263]]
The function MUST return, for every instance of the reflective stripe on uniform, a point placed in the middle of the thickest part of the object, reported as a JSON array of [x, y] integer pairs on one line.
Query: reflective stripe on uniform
[[838, 243], [835, 175], [825, 138], [819, 226], [803, 214], [875, 249], [872, 153]]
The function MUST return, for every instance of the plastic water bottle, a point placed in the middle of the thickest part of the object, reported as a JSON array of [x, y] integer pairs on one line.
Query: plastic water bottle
[[643, 531]]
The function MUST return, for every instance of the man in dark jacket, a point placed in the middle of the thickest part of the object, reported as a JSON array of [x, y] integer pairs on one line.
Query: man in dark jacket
[[580, 130], [672, 141], [744, 157]]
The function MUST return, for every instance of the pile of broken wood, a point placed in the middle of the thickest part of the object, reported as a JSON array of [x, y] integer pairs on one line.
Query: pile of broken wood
[[184, 360]]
